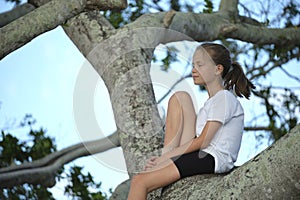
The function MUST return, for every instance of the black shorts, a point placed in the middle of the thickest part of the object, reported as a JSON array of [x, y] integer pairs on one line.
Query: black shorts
[[197, 162]]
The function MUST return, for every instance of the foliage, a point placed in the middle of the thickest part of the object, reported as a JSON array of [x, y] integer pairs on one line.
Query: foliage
[[80, 185], [208, 6], [14, 151], [136, 9], [171, 57]]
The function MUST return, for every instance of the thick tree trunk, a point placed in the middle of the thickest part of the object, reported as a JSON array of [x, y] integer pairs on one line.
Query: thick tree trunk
[[124, 66]]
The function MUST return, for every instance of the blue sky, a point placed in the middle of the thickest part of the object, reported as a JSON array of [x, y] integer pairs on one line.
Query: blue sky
[[40, 79]]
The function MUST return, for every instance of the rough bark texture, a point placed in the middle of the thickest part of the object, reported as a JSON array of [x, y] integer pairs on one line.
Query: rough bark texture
[[273, 174], [42, 19], [45, 18], [123, 63], [106, 4], [87, 30], [19, 11], [91, 4]]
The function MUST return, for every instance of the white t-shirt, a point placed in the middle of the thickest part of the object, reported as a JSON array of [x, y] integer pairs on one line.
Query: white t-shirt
[[224, 147]]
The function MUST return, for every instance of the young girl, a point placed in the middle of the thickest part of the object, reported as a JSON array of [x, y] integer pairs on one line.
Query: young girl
[[208, 142]]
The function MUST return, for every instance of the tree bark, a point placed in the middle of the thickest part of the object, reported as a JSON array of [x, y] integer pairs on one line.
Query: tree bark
[[42, 19], [19, 11], [45, 18], [123, 63], [91, 4]]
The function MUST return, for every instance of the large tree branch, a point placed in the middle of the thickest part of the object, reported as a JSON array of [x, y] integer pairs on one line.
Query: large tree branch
[[203, 27], [42, 19], [43, 171], [91, 4], [45, 18], [19, 11], [262, 35], [23, 9]]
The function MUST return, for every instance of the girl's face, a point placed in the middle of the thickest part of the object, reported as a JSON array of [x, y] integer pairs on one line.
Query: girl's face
[[204, 69]]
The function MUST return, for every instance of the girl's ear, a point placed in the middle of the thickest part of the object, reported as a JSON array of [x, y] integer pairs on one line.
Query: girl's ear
[[219, 69]]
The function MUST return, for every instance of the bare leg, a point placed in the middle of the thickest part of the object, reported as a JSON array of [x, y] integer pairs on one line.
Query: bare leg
[[180, 128], [180, 122], [143, 183]]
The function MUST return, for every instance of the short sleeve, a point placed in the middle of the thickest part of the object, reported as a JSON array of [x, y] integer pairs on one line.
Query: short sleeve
[[222, 107]]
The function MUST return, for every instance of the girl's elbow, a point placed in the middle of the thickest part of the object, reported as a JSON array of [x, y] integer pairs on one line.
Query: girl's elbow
[[204, 145]]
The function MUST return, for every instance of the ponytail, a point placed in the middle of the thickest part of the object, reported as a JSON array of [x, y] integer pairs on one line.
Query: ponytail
[[237, 80], [233, 75]]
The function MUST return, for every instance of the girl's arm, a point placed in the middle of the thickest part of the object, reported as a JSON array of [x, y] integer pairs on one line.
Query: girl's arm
[[201, 142]]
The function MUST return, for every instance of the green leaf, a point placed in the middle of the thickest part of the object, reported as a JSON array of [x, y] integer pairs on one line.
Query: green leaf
[[208, 7]]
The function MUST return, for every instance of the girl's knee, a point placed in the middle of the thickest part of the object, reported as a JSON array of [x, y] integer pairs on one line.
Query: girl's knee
[[138, 180], [135, 180], [179, 97]]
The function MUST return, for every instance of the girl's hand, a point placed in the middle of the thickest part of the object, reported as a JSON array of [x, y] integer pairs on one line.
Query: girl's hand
[[151, 163]]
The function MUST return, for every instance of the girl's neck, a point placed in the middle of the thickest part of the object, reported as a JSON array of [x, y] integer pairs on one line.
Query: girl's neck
[[213, 90]]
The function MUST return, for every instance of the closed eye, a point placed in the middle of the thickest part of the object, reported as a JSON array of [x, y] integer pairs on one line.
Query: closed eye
[[197, 65]]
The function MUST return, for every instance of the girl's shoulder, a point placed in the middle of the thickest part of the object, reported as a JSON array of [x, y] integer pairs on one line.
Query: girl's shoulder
[[225, 94], [226, 97], [222, 98]]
